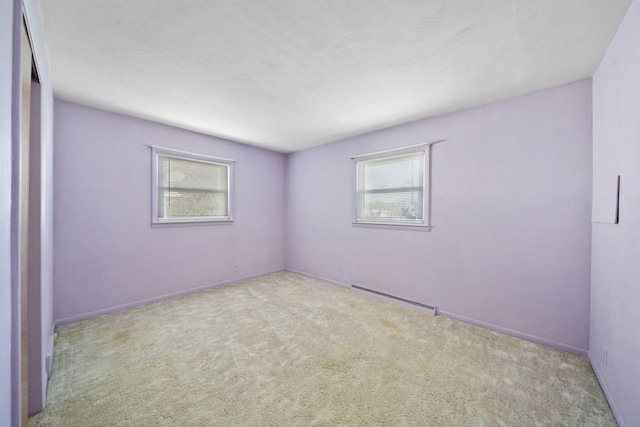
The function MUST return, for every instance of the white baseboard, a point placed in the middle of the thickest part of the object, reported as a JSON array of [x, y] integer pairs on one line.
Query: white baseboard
[[422, 308], [384, 298], [108, 310]]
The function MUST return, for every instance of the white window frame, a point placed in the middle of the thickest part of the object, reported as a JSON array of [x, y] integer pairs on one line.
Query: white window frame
[[156, 152], [421, 225]]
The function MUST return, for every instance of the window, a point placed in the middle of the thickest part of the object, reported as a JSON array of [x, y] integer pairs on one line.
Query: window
[[392, 187], [190, 187]]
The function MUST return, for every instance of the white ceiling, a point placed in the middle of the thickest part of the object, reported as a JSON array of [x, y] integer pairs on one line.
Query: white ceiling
[[290, 74]]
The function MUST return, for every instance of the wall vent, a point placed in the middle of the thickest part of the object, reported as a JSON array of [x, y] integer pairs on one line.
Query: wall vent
[[424, 308]]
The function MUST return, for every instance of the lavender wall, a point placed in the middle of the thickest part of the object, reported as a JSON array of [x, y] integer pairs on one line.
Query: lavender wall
[[107, 254], [615, 275], [510, 245]]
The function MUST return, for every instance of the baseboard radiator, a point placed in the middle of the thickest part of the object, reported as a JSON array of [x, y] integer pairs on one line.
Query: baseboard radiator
[[424, 308]]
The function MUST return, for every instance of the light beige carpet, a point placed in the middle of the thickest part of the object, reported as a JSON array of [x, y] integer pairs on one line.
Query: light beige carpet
[[286, 350]]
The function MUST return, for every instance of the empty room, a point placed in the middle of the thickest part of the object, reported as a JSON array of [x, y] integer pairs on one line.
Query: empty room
[[319, 213]]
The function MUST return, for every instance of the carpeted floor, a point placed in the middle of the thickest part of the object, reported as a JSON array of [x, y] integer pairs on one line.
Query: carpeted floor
[[286, 350]]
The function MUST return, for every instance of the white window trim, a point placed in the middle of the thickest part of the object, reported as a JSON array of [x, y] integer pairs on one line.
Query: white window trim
[[420, 225], [186, 155]]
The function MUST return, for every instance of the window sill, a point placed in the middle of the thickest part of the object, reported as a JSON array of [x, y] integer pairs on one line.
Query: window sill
[[189, 223], [392, 226]]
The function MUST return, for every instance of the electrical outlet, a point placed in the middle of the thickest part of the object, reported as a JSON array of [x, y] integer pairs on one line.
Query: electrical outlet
[[605, 355], [236, 268], [340, 271]]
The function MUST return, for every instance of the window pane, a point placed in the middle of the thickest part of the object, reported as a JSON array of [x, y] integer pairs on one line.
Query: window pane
[[180, 173], [402, 206], [191, 189], [398, 172], [390, 189], [181, 204]]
